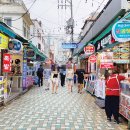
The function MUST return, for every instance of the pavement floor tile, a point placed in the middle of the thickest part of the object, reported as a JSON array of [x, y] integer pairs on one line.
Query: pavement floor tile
[[40, 110]]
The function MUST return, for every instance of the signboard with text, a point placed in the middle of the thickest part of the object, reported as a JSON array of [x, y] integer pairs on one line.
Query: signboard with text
[[106, 65], [89, 49], [15, 46], [121, 31], [92, 59], [69, 45], [3, 41], [6, 63]]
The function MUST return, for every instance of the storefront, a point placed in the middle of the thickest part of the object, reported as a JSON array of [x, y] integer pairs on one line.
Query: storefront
[[32, 59], [113, 52]]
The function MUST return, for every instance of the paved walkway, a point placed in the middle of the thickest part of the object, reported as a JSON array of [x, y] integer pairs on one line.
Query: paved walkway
[[40, 110]]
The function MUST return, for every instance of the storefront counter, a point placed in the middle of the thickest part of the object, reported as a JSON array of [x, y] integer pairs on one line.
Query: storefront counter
[[100, 88], [125, 99]]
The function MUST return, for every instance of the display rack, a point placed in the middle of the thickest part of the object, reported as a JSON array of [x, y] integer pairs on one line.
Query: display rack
[[125, 100]]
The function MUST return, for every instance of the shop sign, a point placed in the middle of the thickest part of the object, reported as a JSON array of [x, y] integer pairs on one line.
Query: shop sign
[[14, 45], [106, 57], [121, 31], [3, 41], [92, 59], [30, 53], [69, 45], [107, 40], [6, 62], [106, 65], [89, 49]]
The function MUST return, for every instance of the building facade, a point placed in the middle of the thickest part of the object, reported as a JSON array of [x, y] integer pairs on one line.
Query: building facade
[[14, 13], [37, 35]]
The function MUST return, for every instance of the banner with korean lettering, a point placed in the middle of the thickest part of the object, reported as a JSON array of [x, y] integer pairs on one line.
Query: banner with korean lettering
[[3, 41], [6, 62]]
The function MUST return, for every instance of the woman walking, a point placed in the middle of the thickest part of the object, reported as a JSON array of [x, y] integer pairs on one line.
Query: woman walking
[[69, 78], [55, 79]]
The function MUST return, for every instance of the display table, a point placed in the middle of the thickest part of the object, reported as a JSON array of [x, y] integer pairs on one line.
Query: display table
[[100, 88], [125, 99]]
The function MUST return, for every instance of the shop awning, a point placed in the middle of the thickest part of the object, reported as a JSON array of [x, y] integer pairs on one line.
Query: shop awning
[[4, 28], [37, 52], [106, 31], [78, 52], [7, 30]]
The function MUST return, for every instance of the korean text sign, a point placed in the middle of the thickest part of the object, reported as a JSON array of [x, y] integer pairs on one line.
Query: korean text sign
[[6, 62]]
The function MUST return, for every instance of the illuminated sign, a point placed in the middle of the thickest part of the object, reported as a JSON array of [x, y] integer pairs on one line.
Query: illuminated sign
[[89, 49], [121, 31]]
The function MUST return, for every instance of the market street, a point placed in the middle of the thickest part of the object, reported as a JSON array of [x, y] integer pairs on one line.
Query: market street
[[40, 110]]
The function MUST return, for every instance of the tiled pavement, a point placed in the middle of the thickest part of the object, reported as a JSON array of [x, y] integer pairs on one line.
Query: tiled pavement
[[40, 110]]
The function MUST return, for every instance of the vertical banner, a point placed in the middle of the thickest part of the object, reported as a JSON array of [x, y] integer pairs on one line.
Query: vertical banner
[[24, 68], [6, 63]]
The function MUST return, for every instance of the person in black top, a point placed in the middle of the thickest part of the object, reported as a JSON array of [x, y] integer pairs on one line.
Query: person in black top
[[40, 75], [80, 76]]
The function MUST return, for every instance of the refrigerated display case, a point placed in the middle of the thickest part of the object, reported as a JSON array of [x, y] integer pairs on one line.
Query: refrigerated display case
[[125, 99]]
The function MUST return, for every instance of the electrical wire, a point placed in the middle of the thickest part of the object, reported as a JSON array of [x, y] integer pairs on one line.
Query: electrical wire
[[25, 12], [93, 16], [77, 7]]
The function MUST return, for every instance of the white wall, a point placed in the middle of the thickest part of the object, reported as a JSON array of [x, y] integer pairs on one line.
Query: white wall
[[34, 30]]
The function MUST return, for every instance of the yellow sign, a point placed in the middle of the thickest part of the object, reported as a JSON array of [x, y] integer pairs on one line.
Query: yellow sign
[[3, 41]]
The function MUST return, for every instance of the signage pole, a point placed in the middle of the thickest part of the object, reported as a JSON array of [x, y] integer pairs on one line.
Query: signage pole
[[72, 27]]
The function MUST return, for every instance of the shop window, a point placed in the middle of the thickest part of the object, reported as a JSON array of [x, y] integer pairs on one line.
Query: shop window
[[8, 21]]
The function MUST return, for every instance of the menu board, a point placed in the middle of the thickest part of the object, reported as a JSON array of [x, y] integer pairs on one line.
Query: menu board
[[121, 53]]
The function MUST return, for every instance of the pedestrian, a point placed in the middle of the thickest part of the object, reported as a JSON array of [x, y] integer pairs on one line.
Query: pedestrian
[[80, 77], [112, 95], [69, 78], [54, 79], [75, 78], [62, 76], [40, 75]]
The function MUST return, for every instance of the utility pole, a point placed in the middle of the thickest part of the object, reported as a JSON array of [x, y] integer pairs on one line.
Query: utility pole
[[70, 22]]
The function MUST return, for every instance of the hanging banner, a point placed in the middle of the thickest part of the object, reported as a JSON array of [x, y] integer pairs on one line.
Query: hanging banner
[[89, 49], [6, 63], [121, 31], [92, 59], [3, 41]]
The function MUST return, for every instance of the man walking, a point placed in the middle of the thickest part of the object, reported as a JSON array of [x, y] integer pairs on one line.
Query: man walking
[[62, 76], [80, 76], [40, 75]]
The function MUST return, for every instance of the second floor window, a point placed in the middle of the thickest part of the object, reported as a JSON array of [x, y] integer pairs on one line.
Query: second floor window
[[8, 21]]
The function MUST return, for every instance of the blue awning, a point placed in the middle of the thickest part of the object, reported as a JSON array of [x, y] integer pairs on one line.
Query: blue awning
[[6, 30]]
